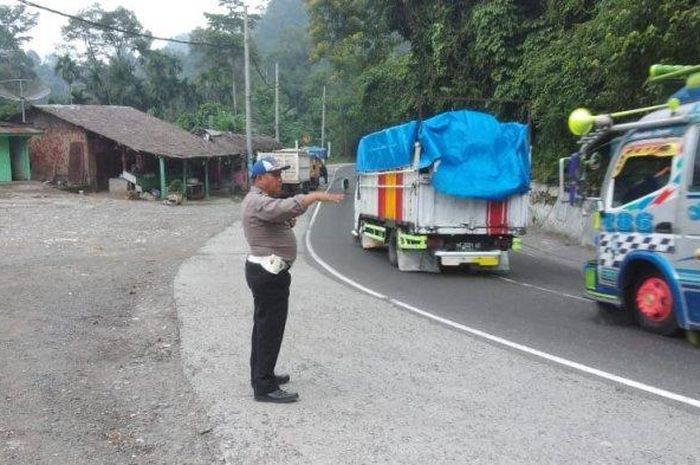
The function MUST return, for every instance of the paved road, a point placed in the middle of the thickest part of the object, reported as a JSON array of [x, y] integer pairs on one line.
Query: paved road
[[539, 305], [379, 384]]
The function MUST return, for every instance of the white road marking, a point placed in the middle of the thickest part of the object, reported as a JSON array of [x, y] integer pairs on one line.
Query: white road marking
[[496, 339], [553, 358], [325, 265], [543, 289]]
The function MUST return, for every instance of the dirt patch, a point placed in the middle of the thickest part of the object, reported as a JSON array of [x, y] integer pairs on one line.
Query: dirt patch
[[89, 342]]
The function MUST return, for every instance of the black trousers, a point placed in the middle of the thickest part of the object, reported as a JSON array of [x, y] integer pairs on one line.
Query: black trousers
[[271, 300]]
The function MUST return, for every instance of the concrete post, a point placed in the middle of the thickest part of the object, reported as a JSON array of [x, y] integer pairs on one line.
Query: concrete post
[[206, 178], [163, 186]]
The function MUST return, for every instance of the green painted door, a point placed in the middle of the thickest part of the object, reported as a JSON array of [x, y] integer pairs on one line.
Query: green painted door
[[20, 159], [5, 160]]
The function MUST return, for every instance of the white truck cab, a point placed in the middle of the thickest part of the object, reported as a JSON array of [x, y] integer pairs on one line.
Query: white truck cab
[[297, 178]]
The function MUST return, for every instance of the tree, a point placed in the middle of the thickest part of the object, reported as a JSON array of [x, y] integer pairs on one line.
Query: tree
[[596, 54], [282, 36], [67, 68], [211, 115], [165, 93], [15, 23], [108, 66], [222, 57], [370, 82], [546, 57]]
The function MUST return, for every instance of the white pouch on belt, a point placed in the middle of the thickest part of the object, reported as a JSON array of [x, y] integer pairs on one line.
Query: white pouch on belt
[[274, 264]]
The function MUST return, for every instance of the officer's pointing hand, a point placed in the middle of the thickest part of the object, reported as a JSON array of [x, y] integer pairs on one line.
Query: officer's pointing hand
[[321, 197], [336, 198]]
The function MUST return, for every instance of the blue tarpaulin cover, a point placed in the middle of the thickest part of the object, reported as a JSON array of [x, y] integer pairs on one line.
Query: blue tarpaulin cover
[[317, 152], [479, 157], [475, 156], [388, 149]]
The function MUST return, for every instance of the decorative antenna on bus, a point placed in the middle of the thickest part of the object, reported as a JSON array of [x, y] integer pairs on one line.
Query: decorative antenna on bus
[[582, 121]]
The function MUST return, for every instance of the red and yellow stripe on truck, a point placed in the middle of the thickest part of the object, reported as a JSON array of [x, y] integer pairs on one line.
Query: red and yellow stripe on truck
[[390, 196], [490, 217]]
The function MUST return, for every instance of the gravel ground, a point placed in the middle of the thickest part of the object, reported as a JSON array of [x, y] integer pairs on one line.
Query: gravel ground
[[90, 368]]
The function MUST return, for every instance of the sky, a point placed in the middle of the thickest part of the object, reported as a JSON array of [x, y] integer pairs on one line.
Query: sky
[[163, 18]]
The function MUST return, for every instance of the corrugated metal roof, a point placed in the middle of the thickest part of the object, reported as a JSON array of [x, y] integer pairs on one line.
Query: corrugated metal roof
[[137, 130], [10, 129]]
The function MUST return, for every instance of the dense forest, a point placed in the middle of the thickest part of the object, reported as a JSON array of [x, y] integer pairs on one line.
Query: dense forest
[[382, 61]]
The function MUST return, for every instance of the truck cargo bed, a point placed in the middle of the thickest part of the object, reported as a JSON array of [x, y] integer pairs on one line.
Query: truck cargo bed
[[407, 197]]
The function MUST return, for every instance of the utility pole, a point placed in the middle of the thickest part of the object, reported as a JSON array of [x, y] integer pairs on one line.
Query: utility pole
[[248, 110], [21, 96], [233, 88], [277, 102], [323, 118]]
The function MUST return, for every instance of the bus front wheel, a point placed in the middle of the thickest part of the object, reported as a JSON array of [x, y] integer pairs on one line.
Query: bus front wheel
[[652, 301]]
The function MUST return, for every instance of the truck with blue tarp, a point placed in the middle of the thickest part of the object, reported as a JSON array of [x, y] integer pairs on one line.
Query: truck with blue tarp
[[448, 191], [648, 209]]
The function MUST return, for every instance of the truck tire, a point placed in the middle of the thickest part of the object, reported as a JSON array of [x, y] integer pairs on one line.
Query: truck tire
[[393, 251], [358, 237], [652, 302]]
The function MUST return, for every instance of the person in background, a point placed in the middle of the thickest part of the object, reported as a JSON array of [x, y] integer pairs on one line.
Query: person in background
[[324, 173], [267, 226]]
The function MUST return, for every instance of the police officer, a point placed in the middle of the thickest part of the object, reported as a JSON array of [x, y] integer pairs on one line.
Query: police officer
[[267, 225]]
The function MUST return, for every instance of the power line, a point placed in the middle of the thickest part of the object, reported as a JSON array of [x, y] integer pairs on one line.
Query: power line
[[257, 68], [138, 34], [116, 29]]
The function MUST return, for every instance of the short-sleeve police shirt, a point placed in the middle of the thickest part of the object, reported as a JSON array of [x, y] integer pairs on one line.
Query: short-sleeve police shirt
[[266, 223]]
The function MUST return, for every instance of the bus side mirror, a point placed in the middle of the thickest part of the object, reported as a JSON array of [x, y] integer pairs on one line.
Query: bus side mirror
[[564, 181], [569, 179]]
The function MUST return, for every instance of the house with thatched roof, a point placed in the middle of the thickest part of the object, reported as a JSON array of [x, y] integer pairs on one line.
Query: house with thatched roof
[[89, 145], [225, 140]]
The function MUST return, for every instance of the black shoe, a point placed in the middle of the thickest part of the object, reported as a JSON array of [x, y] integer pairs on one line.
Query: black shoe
[[278, 397]]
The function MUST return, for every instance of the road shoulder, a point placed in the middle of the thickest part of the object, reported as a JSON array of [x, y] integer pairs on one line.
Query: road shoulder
[[380, 385]]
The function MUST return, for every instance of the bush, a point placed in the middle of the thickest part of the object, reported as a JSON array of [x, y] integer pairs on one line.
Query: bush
[[176, 186]]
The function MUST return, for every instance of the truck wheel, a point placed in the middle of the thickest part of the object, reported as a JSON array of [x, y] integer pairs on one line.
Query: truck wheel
[[358, 238], [652, 301], [393, 249]]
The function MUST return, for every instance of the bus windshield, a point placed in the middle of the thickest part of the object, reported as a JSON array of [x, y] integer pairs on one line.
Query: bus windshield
[[644, 167]]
